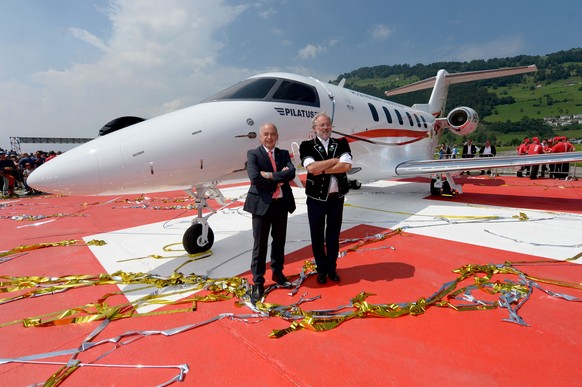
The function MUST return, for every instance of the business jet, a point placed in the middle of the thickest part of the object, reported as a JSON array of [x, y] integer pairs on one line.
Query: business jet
[[196, 148]]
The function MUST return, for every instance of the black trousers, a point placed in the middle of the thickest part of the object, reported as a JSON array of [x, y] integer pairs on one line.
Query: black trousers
[[325, 222], [275, 222], [534, 171]]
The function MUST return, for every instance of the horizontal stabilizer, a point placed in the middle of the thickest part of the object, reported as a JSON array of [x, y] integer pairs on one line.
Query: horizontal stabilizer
[[462, 77]]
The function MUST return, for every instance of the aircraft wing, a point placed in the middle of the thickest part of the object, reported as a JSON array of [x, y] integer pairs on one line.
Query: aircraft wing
[[419, 167]]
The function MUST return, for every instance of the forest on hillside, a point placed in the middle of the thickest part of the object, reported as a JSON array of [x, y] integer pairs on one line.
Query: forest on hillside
[[551, 67]]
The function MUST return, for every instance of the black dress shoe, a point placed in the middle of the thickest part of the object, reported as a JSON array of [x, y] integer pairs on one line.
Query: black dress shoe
[[257, 292], [279, 278], [321, 278], [334, 277]]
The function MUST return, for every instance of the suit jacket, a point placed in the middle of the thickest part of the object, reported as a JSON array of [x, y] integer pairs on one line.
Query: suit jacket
[[317, 187], [261, 190]]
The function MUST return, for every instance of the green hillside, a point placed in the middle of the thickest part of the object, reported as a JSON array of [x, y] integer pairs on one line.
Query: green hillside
[[539, 100], [510, 108]]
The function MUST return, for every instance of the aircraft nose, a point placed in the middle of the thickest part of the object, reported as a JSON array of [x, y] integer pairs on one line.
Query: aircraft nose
[[67, 174]]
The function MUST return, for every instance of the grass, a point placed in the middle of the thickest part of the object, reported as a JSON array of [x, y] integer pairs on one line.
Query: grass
[[505, 138], [538, 101]]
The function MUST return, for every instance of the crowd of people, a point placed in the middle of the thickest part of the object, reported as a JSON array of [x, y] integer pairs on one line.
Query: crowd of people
[[15, 169], [558, 144], [534, 146], [469, 150]]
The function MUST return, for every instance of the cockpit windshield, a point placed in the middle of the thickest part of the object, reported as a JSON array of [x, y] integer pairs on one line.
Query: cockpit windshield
[[270, 89]]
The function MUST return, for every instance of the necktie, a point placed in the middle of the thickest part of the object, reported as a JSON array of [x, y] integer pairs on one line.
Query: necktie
[[277, 194]]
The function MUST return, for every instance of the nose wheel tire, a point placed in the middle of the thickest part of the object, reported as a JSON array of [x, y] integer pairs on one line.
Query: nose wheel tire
[[192, 239]]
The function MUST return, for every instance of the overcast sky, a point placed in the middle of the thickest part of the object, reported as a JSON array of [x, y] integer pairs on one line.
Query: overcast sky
[[69, 66]]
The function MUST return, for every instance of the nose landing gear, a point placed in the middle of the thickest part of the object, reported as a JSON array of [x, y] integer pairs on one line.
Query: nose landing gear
[[199, 237]]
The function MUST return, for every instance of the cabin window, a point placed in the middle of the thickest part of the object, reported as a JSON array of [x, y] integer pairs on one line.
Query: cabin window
[[400, 120], [417, 120], [424, 121], [296, 92], [374, 112], [387, 113], [409, 119]]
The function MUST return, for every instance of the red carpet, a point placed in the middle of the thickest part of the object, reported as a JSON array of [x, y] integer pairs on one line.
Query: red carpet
[[510, 191]]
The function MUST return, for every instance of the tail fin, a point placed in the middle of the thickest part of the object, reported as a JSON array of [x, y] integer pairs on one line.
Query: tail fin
[[443, 79]]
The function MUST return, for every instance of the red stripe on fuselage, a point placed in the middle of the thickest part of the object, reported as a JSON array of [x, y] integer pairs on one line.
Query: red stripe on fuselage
[[386, 133]]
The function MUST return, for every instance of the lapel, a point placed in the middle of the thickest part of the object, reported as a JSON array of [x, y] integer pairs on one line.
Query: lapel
[[331, 148], [318, 146]]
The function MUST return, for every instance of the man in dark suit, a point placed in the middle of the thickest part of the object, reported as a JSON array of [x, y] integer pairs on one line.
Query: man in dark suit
[[269, 200], [469, 151], [327, 160]]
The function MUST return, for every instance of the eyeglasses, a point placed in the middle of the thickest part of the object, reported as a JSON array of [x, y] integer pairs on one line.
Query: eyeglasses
[[326, 125]]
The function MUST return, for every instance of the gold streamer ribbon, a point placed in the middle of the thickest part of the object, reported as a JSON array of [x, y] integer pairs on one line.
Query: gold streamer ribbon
[[36, 246]]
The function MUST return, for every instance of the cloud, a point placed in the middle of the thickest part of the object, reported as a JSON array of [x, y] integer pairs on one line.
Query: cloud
[[381, 32], [88, 38], [499, 48], [310, 51], [159, 56], [267, 13]]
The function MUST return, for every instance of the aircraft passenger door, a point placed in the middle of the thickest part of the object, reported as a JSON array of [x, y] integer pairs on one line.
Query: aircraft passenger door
[[327, 99]]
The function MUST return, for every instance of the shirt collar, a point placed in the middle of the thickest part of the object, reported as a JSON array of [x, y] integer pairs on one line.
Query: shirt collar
[[324, 143]]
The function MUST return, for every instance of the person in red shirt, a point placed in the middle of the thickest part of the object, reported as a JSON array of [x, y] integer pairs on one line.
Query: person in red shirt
[[562, 145], [7, 182], [522, 150], [548, 149], [535, 148], [560, 170], [568, 145], [51, 155], [546, 146]]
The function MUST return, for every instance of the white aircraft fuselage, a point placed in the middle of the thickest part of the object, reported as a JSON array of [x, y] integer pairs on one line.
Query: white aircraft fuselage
[[207, 143]]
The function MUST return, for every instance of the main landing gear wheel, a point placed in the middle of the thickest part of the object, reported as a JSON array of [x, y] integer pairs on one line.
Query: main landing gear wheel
[[194, 242], [444, 190], [355, 184]]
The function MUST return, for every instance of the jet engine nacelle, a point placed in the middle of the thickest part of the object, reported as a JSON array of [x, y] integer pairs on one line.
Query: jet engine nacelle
[[463, 120]]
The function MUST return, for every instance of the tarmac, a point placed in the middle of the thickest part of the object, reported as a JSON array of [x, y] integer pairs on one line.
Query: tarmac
[[484, 287]]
